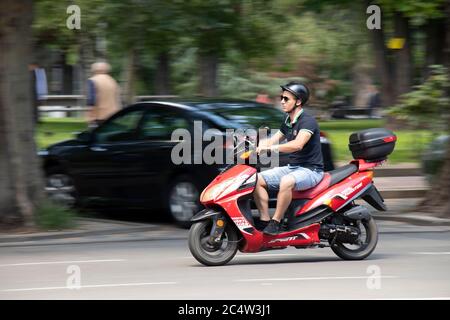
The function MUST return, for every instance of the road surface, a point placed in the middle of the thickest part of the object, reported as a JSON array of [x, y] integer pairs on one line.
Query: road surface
[[405, 265]]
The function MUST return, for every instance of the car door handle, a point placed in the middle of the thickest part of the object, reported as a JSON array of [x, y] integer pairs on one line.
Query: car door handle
[[98, 149]]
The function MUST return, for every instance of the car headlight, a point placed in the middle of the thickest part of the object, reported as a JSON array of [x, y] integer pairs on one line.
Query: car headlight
[[42, 153]]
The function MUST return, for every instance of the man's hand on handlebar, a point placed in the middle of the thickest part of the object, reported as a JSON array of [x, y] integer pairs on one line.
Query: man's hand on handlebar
[[265, 148]]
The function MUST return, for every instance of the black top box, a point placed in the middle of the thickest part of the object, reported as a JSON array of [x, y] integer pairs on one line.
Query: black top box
[[372, 144]]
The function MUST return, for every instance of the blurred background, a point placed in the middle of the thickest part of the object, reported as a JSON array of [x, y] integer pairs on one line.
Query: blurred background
[[368, 63], [91, 90]]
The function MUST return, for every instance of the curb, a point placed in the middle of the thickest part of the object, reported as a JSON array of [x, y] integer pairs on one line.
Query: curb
[[397, 172], [132, 234], [403, 193], [75, 234], [420, 220]]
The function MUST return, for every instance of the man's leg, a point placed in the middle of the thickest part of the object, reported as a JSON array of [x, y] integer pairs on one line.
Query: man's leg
[[261, 197], [284, 197]]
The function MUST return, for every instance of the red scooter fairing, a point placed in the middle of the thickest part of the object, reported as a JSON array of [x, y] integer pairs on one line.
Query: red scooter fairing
[[341, 193], [226, 184]]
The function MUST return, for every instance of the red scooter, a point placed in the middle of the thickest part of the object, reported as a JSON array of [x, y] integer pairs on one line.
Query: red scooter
[[323, 216]]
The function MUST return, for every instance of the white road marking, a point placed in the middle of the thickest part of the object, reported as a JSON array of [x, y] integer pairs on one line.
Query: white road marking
[[267, 255], [431, 253], [309, 279], [433, 298], [58, 262], [257, 255], [90, 286]]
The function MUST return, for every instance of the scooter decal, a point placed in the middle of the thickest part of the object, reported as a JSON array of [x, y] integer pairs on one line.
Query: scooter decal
[[344, 194], [297, 237], [242, 224], [283, 239]]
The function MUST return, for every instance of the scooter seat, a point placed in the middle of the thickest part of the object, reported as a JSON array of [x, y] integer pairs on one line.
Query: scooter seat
[[341, 173], [314, 191], [329, 179]]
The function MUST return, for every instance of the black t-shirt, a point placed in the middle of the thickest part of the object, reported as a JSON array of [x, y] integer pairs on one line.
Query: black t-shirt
[[311, 155]]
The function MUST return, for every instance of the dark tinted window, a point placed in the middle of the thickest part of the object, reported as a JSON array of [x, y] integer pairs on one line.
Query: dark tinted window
[[120, 128], [245, 114], [159, 123], [254, 116]]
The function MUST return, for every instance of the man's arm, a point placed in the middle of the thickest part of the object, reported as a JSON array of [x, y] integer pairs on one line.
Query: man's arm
[[295, 145], [275, 139]]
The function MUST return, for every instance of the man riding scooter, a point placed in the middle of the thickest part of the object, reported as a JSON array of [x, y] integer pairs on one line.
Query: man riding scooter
[[305, 168]]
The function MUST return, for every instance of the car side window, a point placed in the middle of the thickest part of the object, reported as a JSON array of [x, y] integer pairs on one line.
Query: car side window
[[120, 128], [159, 123]]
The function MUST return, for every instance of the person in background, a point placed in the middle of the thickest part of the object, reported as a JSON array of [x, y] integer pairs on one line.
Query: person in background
[[263, 97], [39, 87], [373, 101], [103, 94]]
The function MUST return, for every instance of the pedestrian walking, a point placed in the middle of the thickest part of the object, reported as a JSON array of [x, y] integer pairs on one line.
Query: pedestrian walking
[[103, 94]]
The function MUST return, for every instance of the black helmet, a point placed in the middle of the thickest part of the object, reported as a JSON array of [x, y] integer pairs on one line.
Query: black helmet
[[297, 89]]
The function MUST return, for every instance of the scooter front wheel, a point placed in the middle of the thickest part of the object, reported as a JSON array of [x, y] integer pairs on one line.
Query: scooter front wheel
[[216, 254]]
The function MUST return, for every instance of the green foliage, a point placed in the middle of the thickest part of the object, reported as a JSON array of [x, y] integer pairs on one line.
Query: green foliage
[[419, 11], [50, 30], [428, 105], [52, 216]]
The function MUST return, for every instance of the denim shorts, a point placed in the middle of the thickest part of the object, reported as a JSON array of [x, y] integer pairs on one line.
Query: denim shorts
[[304, 178]]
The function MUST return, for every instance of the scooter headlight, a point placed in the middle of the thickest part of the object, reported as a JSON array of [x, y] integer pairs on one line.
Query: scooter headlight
[[211, 193], [226, 187]]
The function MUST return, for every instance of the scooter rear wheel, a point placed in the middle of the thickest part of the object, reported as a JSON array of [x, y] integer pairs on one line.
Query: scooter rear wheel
[[364, 249], [208, 254]]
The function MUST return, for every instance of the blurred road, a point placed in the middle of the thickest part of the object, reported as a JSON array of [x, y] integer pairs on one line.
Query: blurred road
[[406, 264]]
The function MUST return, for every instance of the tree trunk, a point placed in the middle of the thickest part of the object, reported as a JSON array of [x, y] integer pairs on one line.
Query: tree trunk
[[436, 199], [67, 87], [447, 39], [382, 64], [128, 83], [403, 57], [435, 30], [208, 64], [87, 58], [162, 76], [21, 183]]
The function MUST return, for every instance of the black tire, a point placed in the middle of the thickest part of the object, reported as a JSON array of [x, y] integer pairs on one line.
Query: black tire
[[366, 248], [183, 200], [60, 187], [212, 255]]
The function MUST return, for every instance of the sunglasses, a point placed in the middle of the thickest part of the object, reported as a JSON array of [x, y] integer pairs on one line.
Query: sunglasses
[[284, 98]]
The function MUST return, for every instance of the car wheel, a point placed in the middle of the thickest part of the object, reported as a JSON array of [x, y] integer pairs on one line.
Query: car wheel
[[60, 187], [183, 200]]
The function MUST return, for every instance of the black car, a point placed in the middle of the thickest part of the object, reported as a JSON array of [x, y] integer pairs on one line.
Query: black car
[[126, 161]]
